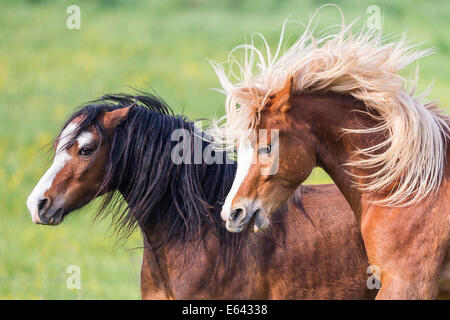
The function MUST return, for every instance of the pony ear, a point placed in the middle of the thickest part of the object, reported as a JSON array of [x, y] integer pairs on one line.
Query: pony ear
[[280, 101], [111, 119]]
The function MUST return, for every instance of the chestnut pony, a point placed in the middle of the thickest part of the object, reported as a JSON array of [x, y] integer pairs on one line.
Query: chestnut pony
[[122, 146], [339, 103]]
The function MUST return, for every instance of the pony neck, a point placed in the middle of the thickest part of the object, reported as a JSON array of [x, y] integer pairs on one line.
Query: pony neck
[[180, 200], [328, 114]]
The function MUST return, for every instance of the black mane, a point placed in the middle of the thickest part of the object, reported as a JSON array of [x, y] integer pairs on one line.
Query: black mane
[[185, 198]]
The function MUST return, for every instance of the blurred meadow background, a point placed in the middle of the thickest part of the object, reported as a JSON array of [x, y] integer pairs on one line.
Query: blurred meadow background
[[48, 70]]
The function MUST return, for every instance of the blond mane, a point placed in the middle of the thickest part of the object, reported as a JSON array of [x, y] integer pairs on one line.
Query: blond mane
[[366, 66]]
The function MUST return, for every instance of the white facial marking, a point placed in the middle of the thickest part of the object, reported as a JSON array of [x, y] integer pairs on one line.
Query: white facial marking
[[84, 139], [61, 158], [245, 158]]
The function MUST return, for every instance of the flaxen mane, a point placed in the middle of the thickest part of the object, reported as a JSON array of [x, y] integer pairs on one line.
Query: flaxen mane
[[365, 66]]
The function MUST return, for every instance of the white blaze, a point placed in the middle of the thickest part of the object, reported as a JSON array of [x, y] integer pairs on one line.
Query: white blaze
[[245, 158], [61, 158], [84, 139]]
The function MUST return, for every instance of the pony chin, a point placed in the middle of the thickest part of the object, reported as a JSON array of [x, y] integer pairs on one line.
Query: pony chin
[[261, 221], [258, 221]]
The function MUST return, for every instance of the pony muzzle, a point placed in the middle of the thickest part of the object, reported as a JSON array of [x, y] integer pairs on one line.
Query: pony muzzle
[[240, 217], [53, 218], [42, 212]]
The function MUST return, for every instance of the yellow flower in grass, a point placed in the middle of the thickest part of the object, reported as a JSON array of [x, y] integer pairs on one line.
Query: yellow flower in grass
[[15, 179], [59, 112], [2, 174], [3, 73], [44, 138], [190, 69]]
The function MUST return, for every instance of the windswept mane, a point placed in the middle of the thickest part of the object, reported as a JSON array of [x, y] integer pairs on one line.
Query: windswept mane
[[366, 66]]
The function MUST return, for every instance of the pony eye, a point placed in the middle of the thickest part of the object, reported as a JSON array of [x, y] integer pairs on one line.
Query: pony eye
[[265, 149], [85, 152]]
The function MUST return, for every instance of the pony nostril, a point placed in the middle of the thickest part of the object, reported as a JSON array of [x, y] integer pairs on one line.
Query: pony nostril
[[236, 214], [43, 204]]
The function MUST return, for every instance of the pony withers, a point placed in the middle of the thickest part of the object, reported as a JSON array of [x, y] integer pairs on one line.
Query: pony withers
[[121, 147], [339, 102]]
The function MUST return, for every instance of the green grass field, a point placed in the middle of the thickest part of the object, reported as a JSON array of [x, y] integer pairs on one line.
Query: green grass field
[[47, 70]]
